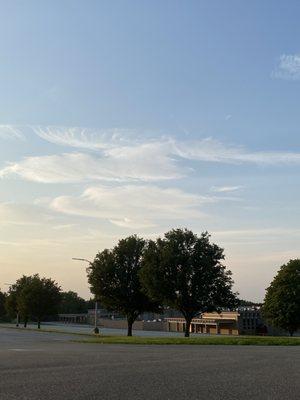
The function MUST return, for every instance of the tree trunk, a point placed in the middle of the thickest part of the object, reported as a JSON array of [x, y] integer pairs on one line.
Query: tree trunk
[[187, 326], [39, 324], [130, 321]]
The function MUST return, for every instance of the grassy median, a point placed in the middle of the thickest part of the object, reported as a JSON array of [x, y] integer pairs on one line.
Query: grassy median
[[208, 340]]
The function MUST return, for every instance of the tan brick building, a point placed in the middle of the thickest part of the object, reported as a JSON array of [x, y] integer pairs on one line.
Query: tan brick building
[[246, 321]]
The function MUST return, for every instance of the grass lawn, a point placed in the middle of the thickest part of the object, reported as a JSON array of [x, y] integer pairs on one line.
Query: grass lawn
[[207, 340]]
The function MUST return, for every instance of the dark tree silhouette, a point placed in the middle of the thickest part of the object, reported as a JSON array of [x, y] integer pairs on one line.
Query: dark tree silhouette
[[36, 297], [71, 303], [13, 304], [114, 279], [185, 272], [2, 305], [282, 301]]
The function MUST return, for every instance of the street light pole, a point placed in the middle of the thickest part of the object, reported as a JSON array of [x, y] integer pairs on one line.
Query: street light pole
[[96, 329]]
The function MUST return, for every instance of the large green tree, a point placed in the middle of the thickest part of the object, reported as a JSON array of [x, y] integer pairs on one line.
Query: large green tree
[[114, 279], [282, 301], [71, 303], [37, 297], [185, 272], [43, 298]]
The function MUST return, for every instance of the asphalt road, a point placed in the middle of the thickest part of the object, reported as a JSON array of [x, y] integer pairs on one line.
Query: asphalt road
[[44, 366], [88, 329]]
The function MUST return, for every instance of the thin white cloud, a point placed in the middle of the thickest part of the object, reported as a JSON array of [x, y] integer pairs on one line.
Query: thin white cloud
[[288, 67], [20, 214], [120, 141], [211, 150], [34, 225], [83, 138], [125, 158], [32, 243], [273, 231], [147, 162], [258, 236], [11, 132], [64, 227], [132, 206], [225, 189]]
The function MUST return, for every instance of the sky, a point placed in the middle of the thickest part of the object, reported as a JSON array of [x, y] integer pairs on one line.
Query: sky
[[135, 117]]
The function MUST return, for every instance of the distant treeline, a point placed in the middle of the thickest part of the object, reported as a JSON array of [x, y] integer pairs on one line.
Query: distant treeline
[[181, 271]]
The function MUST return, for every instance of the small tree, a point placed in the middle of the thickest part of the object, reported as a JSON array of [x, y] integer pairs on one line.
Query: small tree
[[184, 271], [11, 304], [45, 298], [2, 305], [114, 279], [14, 305], [39, 297], [282, 301]]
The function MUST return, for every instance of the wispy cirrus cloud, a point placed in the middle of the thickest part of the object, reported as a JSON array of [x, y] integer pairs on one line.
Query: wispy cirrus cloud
[[116, 141], [147, 162], [288, 67], [132, 206], [211, 150], [125, 157], [84, 138], [11, 132], [15, 214], [225, 189]]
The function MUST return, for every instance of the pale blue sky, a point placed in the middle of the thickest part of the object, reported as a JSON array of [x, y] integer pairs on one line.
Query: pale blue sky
[[121, 117]]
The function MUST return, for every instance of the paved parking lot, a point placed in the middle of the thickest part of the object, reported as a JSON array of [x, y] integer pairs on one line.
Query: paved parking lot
[[37, 365], [88, 329]]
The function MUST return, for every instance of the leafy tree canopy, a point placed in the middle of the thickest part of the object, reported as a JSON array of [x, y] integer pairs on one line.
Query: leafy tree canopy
[[71, 303], [282, 301], [13, 302], [2, 305], [114, 279], [34, 296], [90, 304], [185, 272], [248, 303]]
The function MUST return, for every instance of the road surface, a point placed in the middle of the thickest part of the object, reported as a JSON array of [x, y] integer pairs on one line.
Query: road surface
[[44, 366], [88, 329]]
